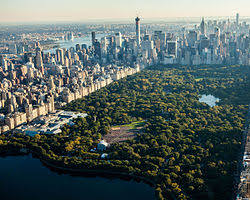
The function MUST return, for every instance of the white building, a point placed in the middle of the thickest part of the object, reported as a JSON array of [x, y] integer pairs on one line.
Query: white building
[[102, 146]]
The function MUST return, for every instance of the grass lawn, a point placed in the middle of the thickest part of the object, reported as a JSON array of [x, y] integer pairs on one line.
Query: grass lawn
[[198, 79], [132, 125]]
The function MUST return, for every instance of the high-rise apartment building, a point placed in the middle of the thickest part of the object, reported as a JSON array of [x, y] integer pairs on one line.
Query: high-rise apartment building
[[93, 38], [39, 60], [138, 31], [237, 19], [203, 27]]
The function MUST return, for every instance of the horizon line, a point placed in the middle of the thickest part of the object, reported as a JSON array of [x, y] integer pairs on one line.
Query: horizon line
[[113, 20]]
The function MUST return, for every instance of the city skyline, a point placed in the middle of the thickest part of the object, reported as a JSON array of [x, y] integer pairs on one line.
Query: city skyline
[[76, 10]]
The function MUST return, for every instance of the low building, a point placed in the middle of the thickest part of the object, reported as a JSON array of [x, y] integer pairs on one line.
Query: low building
[[102, 146], [51, 123], [104, 155]]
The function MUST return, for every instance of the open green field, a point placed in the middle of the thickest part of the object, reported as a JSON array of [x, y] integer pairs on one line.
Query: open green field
[[132, 125]]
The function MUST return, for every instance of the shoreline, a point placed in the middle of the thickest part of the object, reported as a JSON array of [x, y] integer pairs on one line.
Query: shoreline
[[80, 184], [99, 172], [83, 171]]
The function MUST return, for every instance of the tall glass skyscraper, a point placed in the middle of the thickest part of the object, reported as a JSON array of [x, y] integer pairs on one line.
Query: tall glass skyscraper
[[138, 31]]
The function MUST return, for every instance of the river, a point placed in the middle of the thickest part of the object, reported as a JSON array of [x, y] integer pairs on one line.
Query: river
[[81, 40], [26, 178]]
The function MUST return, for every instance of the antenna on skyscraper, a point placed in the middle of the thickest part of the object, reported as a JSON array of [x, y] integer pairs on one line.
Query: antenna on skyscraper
[[138, 13]]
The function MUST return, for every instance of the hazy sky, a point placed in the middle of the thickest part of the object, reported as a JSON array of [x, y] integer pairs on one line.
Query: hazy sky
[[76, 10]]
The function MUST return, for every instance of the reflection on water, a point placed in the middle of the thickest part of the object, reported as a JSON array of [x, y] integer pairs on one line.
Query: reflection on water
[[26, 178], [209, 100]]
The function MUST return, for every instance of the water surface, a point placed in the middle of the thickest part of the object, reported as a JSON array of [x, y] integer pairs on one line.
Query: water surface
[[209, 100], [26, 178], [81, 40]]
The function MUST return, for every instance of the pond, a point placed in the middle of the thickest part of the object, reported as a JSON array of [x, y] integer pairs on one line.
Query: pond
[[26, 178], [209, 100]]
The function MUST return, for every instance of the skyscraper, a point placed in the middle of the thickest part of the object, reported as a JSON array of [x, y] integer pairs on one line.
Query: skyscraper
[[93, 38], [192, 37], [70, 36], [217, 35], [60, 56], [78, 47], [202, 27], [39, 60], [237, 19], [118, 39], [138, 34], [172, 48]]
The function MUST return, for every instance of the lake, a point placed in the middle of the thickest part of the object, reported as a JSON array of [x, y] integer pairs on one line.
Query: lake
[[209, 100], [26, 178]]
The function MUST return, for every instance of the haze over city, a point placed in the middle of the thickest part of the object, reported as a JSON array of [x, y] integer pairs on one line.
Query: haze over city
[[83, 10]]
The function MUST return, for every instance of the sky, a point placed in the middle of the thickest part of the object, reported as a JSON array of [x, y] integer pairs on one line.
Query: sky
[[87, 10]]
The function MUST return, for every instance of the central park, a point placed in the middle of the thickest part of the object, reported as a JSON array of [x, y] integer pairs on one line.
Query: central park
[[157, 130]]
